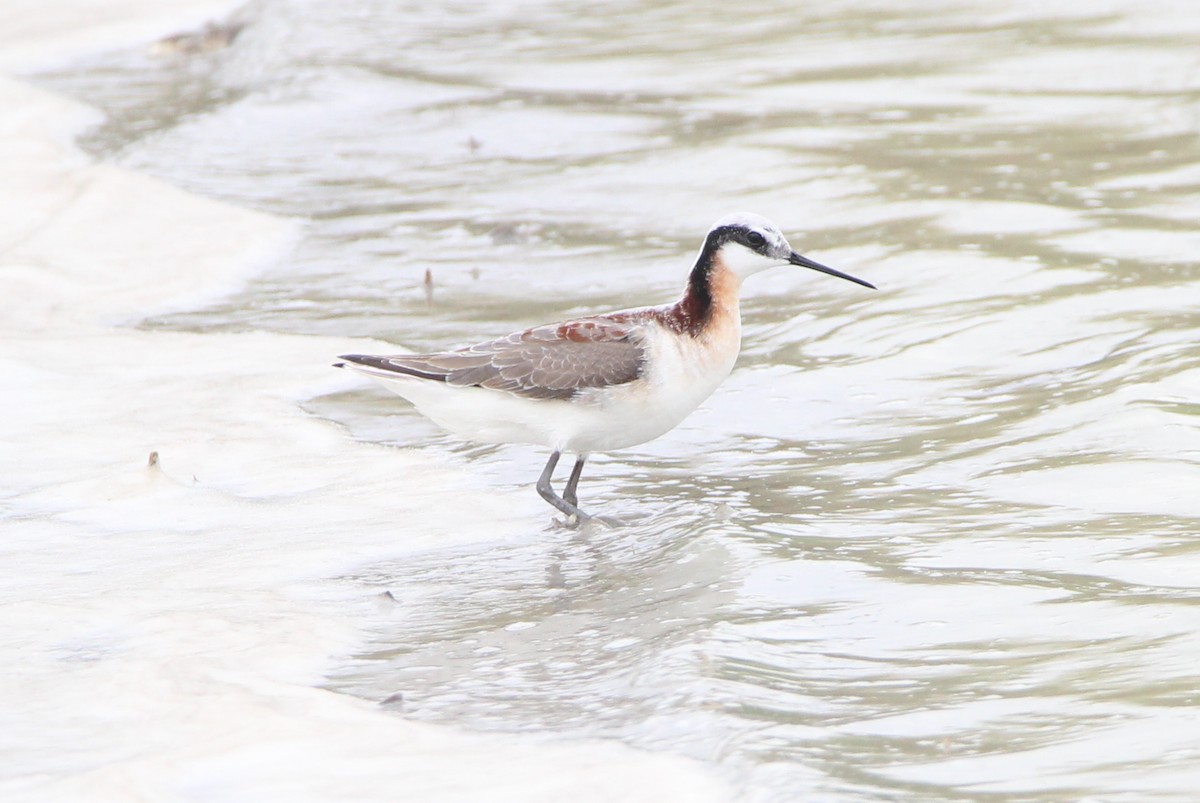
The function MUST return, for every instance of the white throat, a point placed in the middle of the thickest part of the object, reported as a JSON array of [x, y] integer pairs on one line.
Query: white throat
[[743, 262]]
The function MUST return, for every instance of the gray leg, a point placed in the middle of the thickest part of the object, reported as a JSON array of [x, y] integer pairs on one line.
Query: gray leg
[[569, 495], [547, 493]]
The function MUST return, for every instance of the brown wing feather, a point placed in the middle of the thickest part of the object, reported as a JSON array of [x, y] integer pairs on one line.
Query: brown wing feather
[[546, 362]]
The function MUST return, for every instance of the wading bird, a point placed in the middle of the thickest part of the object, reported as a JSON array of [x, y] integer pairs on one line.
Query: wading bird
[[601, 382]]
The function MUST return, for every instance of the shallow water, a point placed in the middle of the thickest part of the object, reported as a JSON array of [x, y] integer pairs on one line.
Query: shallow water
[[937, 542]]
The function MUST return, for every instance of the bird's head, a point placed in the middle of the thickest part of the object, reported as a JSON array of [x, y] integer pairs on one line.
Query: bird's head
[[746, 243]]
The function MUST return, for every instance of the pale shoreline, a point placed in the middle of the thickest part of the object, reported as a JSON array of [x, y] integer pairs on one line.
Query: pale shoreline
[[166, 625]]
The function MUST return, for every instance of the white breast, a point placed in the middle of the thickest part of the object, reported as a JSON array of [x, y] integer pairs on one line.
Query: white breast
[[681, 372]]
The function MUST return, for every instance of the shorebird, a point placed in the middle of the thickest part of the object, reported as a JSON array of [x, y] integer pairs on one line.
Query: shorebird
[[601, 382]]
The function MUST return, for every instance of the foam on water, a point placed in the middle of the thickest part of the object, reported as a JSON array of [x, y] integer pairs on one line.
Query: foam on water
[[164, 622]]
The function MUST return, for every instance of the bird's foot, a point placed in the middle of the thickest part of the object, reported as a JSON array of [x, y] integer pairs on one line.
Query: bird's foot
[[572, 521]]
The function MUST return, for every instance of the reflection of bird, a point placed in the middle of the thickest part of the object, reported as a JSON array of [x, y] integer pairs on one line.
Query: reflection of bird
[[602, 382]]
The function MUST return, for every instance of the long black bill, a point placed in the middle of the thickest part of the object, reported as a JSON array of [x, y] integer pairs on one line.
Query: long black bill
[[805, 262]]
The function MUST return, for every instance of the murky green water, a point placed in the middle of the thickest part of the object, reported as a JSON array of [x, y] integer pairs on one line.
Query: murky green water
[[938, 542]]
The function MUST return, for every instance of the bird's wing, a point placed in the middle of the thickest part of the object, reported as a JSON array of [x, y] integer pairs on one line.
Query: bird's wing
[[547, 362]]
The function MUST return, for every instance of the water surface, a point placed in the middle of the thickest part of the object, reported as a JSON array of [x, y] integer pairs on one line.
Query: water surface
[[937, 542]]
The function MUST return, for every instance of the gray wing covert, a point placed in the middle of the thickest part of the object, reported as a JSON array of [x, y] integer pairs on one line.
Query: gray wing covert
[[546, 362]]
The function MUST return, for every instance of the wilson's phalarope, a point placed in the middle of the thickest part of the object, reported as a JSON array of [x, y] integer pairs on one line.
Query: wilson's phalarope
[[602, 382]]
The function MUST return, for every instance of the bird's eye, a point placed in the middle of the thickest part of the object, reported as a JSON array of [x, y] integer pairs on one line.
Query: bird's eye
[[755, 239]]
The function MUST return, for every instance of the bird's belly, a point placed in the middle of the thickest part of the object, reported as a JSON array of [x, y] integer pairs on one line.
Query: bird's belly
[[681, 373], [630, 415]]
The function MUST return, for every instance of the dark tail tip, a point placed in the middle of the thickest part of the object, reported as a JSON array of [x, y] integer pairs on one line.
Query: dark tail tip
[[359, 359]]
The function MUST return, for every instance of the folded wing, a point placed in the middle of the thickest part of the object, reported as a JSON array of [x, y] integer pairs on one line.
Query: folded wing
[[548, 362]]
